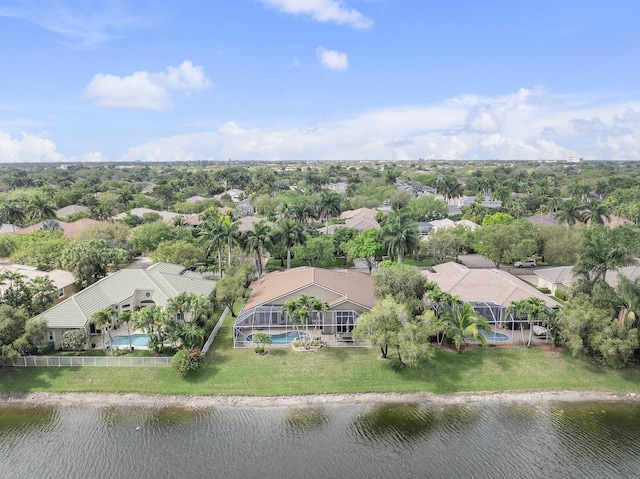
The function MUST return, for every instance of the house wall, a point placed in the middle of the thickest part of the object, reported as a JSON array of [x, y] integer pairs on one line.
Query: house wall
[[66, 292], [550, 285]]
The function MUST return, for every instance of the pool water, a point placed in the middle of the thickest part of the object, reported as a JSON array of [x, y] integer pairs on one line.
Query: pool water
[[491, 336], [282, 338], [137, 340]]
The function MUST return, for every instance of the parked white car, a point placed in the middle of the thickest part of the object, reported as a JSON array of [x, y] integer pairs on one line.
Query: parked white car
[[529, 263]]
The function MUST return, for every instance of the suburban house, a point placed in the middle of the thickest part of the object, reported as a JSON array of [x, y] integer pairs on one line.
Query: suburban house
[[124, 290], [71, 209], [234, 193], [489, 291], [361, 219], [69, 230], [167, 216], [348, 294], [63, 280], [560, 278], [427, 227]]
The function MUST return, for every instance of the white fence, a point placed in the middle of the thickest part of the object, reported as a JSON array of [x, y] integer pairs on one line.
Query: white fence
[[83, 361], [213, 334]]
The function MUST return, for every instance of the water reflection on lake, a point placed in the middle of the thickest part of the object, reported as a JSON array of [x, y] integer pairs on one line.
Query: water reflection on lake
[[591, 440]]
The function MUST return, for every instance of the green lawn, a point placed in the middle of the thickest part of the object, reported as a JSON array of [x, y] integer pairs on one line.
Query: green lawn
[[338, 370]]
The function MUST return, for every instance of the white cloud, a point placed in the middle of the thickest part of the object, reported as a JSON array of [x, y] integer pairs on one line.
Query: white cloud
[[510, 127], [323, 11], [144, 90], [30, 148], [332, 59], [83, 24]]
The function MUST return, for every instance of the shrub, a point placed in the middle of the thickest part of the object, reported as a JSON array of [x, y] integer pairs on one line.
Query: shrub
[[187, 361], [561, 295], [74, 339], [544, 290]]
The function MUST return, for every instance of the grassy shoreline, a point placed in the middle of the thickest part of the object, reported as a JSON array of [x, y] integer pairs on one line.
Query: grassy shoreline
[[282, 372]]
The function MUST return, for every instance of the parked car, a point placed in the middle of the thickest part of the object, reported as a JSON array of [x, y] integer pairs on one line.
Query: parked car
[[529, 263]]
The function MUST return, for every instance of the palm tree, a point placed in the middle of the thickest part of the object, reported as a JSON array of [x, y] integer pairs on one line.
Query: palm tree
[[328, 206], [40, 209], [103, 319], [199, 308], [12, 213], [535, 310], [178, 305], [192, 335], [449, 187], [230, 234], [463, 322], [43, 293], [629, 294], [212, 231], [594, 213], [291, 234], [125, 196], [257, 240], [400, 235], [300, 312], [569, 212], [603, 250], [122, 319]]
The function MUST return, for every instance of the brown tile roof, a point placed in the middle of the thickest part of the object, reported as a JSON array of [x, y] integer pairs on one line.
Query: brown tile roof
[[346, 284], [477, 285], [359, 212], [70, 230]]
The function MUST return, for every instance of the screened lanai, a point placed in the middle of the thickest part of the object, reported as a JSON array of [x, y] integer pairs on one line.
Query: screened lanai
[[331, 328]]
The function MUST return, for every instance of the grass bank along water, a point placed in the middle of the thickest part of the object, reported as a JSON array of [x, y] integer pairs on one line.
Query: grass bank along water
[[282, 372]]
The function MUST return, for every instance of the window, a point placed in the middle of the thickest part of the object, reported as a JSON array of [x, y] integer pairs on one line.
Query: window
[[345, 321], [51, 337], [61, 293]]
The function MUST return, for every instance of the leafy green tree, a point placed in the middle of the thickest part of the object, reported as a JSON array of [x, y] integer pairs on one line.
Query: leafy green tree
[[427, 208], [561, 244], [317, 251], [231, 288], [115, 235], [261, 340], [450, 242], [341, 237], [41, 249], [404, 283], [381, 326], [12, 324], [178, 252], [366, 247], [301, 313], [506, 242], [497, 218], [148, 236], [74, 339], [89, 261]]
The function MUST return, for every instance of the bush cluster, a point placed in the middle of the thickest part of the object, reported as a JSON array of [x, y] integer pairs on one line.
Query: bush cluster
[[187, 361]]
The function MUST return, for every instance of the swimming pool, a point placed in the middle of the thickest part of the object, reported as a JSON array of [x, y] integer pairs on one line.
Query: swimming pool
[[282, 338], [493, 336], [138, 340]]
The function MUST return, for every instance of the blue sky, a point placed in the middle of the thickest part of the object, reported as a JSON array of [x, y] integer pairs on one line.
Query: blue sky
[[169, 80]]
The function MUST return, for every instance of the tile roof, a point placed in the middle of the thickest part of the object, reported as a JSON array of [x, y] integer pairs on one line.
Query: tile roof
[[59, 277], [560, 274], [359, 212], [344, 283], [70, 230], [477, 285], [166, 215], [165, 280], [68, 210]]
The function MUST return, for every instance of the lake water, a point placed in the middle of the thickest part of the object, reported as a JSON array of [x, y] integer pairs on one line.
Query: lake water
[[552, 440]]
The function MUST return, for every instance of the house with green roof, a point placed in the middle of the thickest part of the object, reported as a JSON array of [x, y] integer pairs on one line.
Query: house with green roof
[[124, 290]]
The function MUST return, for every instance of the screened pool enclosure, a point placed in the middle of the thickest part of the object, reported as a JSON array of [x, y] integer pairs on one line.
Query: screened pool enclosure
[[331, 328]]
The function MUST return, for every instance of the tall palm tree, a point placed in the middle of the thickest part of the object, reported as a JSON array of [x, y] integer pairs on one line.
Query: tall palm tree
[[328, 206], [122, 319], [192, 335], [291, 234], [594, 213], [400, 235], [43, 293], [449, 188], [629, 293], [230, 233], [257, 240], [212, 232], [12, 213], [536, 310], [178, 305], [462, 322], [40, 209], [103, 320], [569, 212]]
